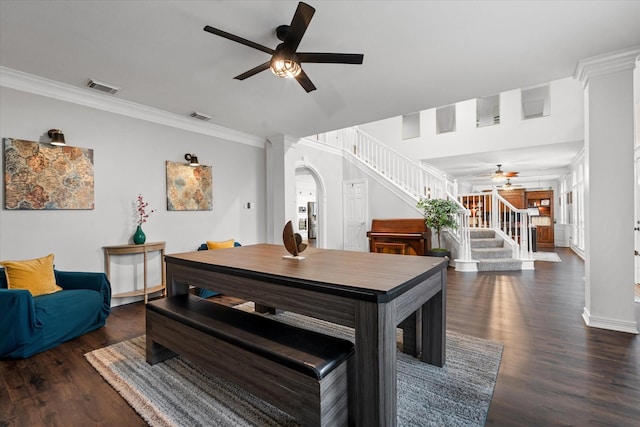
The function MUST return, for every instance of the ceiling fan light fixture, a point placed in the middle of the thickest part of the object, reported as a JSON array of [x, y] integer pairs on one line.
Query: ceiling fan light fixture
[[285, 68]]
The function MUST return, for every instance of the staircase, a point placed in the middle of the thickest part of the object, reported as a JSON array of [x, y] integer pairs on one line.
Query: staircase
[[491, 253], [476, 247]]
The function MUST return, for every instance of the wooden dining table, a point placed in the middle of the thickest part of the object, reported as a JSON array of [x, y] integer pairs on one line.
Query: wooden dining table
[[373, 293]]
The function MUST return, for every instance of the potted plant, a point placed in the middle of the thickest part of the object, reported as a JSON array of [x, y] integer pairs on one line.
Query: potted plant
[[438, 215]]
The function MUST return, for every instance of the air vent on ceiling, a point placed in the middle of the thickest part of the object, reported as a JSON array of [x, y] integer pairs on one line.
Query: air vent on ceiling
[[200, 116], [102, 87]]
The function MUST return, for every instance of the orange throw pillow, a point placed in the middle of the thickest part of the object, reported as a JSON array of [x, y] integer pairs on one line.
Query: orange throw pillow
[[220, 245], [34, 275]]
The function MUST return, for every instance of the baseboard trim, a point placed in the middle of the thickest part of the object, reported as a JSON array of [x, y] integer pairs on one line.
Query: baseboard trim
[[528, 264], [610, 324], [466, 266]]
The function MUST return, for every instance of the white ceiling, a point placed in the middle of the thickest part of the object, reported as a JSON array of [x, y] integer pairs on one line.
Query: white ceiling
[[417, 54], [536, 165]]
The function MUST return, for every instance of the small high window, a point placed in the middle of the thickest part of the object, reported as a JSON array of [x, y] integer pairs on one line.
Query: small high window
[[411, 125], [535, 102], [446, 119], [488, 111]]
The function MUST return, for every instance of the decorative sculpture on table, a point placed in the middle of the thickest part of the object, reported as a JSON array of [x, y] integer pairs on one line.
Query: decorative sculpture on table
[[292, 242]]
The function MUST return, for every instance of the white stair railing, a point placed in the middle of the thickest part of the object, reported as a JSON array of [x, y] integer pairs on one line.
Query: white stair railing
[[412, 178], [462, 234], [491, 210]]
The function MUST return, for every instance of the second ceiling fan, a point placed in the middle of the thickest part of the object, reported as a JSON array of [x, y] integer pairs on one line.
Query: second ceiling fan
[[285, 60]]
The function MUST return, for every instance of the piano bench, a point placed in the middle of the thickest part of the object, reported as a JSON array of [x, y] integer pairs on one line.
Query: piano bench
[[392, 247]]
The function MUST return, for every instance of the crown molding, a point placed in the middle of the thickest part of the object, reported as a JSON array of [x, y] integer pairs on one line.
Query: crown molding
[[37, 85], [612, 62]]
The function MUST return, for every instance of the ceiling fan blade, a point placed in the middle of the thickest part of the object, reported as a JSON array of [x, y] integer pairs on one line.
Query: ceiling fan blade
[[304, 81], [253, 71], [240, 40], [299, 23], [331, 58]]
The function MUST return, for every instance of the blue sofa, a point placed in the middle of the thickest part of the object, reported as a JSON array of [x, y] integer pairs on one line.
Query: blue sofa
[[29, 325]]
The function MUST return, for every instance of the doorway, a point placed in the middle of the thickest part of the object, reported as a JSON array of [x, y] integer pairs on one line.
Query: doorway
[[308, 217]]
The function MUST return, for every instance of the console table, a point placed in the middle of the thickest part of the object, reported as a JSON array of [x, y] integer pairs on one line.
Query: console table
[[137, 249]]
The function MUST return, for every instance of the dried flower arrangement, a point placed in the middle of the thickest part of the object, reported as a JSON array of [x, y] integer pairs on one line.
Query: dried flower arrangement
[[141, 210]]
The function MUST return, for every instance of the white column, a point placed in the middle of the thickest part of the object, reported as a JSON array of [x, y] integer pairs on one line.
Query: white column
[[280, 186], [609, 190]]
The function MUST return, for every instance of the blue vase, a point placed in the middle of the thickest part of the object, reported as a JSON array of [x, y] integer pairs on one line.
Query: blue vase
[[139, 236]]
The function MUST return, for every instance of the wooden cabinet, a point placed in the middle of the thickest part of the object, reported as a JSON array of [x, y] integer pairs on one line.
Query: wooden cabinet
[[515, 197], [543, 201]]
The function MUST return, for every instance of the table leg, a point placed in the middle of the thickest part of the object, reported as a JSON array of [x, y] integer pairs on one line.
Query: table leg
[[376, 375], [261, 308], [412, 333], [146, 296], [174, 288], [434, 329]]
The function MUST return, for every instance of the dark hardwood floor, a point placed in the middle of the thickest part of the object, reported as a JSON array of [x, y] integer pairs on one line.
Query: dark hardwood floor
[[554, 371]]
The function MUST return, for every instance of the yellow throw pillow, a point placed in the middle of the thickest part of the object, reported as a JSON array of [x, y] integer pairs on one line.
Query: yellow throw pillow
[[34, 275], [220, 245]]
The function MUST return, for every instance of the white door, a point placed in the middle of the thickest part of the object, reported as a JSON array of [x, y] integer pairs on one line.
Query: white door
[[355, 215]]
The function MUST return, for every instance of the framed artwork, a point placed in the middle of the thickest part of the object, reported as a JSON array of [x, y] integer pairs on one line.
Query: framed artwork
[[302, 224], [45, 177], [302, 209], [189, 188], [544, 202]]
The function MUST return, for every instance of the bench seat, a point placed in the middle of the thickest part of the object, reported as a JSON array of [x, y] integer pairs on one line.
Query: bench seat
[[302, 372]]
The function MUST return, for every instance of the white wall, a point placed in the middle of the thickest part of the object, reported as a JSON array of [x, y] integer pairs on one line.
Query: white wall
[[129, 158], [383, 201], [564, 124], [333, 170]]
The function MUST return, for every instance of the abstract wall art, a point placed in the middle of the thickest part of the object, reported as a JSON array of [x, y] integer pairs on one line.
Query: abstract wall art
[[189, 188], [44, 177]]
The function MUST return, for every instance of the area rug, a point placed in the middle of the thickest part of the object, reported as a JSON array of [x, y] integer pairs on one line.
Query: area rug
[[178, 393], [546, 256]]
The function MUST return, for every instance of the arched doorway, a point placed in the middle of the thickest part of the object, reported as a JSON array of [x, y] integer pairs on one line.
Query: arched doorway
[[309, 206]]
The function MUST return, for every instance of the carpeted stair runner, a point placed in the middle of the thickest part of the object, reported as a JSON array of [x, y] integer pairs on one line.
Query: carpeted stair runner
[[491, 253]]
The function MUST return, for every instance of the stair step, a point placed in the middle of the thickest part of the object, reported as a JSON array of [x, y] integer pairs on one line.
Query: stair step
[[490, 253], [487, 243], [482, 233], [500, 264]]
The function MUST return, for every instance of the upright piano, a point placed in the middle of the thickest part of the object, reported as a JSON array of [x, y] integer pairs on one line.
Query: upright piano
[[407, 236]]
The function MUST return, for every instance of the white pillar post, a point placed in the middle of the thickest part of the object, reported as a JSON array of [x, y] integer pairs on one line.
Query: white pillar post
[[609, 190], [280, 185]]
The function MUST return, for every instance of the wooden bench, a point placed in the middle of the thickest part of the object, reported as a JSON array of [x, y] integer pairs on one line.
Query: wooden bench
[[304, 373]]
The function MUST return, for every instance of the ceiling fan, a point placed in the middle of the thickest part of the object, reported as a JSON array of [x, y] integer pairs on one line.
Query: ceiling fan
[[508, 185], [500, 175], [285, 60]]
